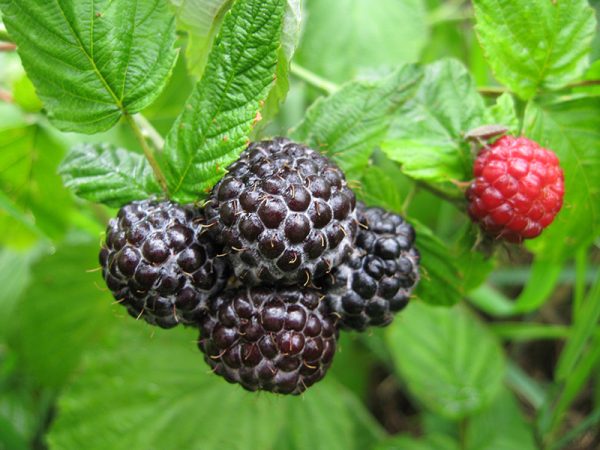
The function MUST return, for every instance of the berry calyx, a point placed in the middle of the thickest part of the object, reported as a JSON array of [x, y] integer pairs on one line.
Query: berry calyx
[[518, 189]]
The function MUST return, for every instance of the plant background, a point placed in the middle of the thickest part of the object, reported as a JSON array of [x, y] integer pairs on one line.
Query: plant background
[[498, 351]]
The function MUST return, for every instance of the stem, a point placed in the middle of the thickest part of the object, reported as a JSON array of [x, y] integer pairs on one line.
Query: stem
[[580, 272], [456, 201], [6, 96], [148, 152], [149, 132], [492, 91], [409, 198], [7, 47], [313, 79]]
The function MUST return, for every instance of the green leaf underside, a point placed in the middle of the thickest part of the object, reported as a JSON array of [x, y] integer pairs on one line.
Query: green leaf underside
[[166, 389], [214, 127], [535, 44], [92, 61], [571, 130], [347, 125], [344, 37], [105, 174], [426, 136], [447, 359]]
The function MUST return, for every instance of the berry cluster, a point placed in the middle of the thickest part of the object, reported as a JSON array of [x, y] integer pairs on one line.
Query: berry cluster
[[278, 261]]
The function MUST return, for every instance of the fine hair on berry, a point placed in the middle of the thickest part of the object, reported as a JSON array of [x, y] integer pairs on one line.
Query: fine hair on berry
[[285, 214], [279, 340], [158, 263]]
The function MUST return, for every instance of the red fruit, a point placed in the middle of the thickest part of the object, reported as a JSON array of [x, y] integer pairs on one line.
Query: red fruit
[[518, 189]]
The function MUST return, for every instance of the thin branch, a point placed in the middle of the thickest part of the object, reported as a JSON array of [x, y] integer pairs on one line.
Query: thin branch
[[457, 201], [148, 152], [149, 132], [313, 79], [584, 83], [492, 91], [7, 47], [6, 96]]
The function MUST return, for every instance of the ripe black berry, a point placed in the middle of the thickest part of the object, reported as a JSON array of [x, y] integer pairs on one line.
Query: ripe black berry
[[279, 340], [378, 278], [284, 213], [157, 264]]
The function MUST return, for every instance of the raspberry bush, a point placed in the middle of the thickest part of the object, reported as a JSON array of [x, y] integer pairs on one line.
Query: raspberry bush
[[383, 215]]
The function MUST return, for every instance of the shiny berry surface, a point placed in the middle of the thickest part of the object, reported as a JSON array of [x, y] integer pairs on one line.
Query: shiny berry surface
[[284, 213], [159, 265], [379, 277], [278, 340], [518, 189]]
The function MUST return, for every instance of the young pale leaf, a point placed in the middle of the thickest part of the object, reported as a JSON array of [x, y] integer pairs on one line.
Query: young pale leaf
[[225, 105], [347, 125], [448, 360], [344, 37], [571, 130], [92, 61], [105, 174], [165, 397], [427, 134], [535, 44]]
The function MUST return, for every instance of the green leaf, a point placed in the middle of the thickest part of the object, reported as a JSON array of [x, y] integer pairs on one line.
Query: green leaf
[[105, 174], [344, 37], [61, 314], [582, 331], [92, 61], [426, 136], [501, 426], [448, 360], [29, 157], [441, 280], [224, 106], [202, 20], [503, 112], [14, 278], [166, 397], [428, 442], [347, 125], [571, 130], [537, 44]]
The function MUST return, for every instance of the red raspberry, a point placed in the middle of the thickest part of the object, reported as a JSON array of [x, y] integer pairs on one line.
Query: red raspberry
[[518, 189]]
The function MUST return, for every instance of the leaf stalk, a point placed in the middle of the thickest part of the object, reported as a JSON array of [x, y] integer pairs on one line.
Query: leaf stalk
[[148, 152]]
